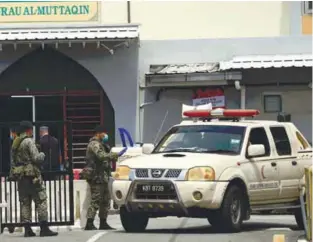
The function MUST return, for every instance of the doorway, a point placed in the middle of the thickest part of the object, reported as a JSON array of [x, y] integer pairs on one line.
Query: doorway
[[50, 108], [52, 76], [13, 111]]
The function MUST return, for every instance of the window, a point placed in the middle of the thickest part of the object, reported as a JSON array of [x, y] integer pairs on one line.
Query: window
[[258, 137], [281, 140], [272, 103], [302, 141], [224, 139], [307, 7]]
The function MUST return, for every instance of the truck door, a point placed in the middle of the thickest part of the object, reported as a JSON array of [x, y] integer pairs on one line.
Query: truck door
[[264, 185], [288, 167]]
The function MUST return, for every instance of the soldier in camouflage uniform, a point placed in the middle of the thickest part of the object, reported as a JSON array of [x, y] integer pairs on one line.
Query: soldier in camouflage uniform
[[26, 170], [96, 174]]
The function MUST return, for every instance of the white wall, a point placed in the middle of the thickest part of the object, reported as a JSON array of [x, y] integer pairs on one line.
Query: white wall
[[162, 20], [210, 19], [114, 12]]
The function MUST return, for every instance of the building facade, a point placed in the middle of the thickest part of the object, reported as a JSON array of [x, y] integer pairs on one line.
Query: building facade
[[271, 57], [108, 62], [75, 65]]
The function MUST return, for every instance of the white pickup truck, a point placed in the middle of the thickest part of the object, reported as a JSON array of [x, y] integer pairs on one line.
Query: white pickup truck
[[218, 170]]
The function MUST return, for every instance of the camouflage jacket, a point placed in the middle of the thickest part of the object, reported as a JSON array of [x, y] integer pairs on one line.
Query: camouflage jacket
[[26, 158], [98, 161]]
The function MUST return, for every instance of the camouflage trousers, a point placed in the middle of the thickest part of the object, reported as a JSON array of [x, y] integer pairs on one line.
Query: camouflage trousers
[[100, 201], [29, 192]]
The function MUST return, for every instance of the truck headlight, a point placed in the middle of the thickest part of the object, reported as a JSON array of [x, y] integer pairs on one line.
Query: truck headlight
[[200, 174], [122, 173]]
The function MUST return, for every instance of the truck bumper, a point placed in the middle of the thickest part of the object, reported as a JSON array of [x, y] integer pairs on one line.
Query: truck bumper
[[187, 194]]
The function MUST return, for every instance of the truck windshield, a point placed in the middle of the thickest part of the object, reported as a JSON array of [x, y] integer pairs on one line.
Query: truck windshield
[[224, 139]]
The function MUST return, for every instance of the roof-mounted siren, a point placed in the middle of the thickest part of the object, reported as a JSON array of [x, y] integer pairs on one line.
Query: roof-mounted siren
[[187, 108], [207, 113]]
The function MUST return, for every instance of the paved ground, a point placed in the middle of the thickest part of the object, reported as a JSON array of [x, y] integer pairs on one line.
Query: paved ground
[[258, 229]]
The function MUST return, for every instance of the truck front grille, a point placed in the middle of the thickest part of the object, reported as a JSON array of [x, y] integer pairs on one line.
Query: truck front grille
[[142, 173], [147, 173], [173, 173]]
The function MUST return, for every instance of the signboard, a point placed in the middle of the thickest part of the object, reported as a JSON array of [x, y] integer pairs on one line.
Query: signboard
[[214, 96], [44, 12]]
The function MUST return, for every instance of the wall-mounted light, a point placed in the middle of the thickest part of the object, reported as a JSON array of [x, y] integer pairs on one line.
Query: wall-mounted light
[[237, 85]]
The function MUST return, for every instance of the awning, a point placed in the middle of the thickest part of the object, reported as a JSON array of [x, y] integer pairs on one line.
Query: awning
[[197, 74], [268, 61], [69, 35], [183, 68]]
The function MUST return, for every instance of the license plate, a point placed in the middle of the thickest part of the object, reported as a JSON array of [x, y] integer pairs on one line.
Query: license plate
[[152, 188]]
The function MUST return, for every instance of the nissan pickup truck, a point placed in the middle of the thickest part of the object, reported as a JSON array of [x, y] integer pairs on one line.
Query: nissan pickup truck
[[218, 170]]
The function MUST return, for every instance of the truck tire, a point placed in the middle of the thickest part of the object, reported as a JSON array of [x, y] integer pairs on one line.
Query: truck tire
[[213, 218], [299, 219], [298, 216], [230, 216], [133, 222]]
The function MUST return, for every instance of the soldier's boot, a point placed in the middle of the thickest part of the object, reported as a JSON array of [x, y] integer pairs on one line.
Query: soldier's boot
[[104, 225], [28, 232], [90, 225], [45, 231]]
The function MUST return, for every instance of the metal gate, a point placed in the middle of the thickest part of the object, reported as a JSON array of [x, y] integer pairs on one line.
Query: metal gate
[[58, 180]]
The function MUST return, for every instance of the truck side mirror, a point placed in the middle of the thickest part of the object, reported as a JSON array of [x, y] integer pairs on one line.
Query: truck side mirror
[[147, 148], [256, 150]]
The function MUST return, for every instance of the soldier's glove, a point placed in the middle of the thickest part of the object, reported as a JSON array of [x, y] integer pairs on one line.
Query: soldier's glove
[[114, 156], [41, 156]]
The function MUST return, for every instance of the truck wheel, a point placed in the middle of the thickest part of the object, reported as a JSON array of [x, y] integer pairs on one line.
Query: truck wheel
[[133, 222], [299, 219], [213, 218], [230, 216], [298, 215]]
